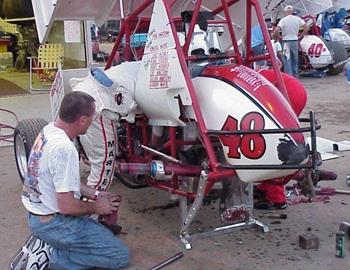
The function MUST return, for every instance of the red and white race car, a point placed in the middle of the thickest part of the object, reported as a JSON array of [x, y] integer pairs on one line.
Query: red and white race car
[[221, 126]]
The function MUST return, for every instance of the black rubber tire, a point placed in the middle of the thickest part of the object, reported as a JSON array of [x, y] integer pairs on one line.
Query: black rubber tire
[[17, 9], [340, 54], [2, 14], [26, 132], [129, 183]]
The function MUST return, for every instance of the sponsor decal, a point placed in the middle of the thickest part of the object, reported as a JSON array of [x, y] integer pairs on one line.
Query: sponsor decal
[[249, 76]]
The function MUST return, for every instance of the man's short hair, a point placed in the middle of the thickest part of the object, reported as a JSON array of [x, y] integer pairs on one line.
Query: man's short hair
[[288, 8], [74, 105]]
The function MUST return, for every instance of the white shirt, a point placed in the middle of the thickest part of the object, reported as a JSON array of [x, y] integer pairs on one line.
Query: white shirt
[[290, 26], [53, 166], [276, 45]]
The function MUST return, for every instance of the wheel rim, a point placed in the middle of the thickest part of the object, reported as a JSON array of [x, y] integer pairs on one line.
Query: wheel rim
[[21, 157]]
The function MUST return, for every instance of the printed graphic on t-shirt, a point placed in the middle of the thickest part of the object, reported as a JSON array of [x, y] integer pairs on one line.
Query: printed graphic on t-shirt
[[31, 179]]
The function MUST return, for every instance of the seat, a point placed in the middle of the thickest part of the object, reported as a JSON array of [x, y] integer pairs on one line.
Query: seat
[[45, 66]]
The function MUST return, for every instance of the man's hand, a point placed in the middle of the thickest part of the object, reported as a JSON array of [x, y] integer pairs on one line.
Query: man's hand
[[107, 203], [106, 194], [279, 63], [304, 32]]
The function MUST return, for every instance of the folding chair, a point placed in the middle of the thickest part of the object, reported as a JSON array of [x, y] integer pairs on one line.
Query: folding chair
[[50, 56]]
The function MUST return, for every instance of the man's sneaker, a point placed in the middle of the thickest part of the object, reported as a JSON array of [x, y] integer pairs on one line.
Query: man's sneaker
[[259, 194], [265, 205], [34, 255]]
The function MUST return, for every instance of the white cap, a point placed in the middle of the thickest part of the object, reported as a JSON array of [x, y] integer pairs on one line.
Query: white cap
[[288, 7]]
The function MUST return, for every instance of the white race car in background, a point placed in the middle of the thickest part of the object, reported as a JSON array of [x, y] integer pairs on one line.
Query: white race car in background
[[327, 53], [320, 54], [338, 35]]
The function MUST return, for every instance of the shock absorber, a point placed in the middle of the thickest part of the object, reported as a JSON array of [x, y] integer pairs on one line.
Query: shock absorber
[[158, 169], [154, 168]]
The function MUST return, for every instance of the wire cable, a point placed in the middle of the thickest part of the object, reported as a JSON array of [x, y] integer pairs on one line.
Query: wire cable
[[7, 136]]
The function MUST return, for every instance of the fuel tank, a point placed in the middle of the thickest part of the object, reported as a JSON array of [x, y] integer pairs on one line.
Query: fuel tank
[[236, 98]]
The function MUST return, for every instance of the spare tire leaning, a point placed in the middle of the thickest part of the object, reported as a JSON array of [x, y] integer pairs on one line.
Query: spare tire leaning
[[339, 56], [25, 134]]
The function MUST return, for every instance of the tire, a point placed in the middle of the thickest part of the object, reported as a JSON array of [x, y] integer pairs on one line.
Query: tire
[[25, 134], [17, 9], [340, 55], [2, 14]]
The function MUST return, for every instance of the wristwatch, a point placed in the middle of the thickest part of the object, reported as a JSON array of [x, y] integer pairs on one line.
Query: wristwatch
[[95, 197]]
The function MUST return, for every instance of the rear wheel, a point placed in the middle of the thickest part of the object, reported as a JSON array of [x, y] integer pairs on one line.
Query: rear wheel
[[25, 134], [339, 55]]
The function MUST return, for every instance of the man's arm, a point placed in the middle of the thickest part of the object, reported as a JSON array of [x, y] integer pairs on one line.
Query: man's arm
[[68, 205], [306, 29], [87, 191]]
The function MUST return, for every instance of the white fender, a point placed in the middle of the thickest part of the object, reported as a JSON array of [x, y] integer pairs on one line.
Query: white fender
[[222, 102], [316, 50]]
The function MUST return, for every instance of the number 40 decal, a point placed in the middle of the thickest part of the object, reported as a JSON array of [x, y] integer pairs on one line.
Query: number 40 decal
[[315, 50], [252, 146]]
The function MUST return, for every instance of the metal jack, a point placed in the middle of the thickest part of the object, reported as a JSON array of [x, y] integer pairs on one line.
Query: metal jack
[[242, 205]]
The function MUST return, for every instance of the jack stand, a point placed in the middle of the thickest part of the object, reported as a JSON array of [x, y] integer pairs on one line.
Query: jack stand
[[188, 216], [241, 199]]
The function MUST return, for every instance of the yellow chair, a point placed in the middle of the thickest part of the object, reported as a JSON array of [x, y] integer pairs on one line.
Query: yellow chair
[[50, 56]]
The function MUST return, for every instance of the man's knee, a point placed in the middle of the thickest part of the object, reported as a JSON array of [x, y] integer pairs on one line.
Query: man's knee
[[120, 256]]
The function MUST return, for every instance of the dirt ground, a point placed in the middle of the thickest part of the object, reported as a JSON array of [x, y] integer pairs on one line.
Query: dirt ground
[[152, 232]]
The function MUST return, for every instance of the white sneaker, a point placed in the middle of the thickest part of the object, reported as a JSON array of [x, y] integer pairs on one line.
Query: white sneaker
[[34, 255]]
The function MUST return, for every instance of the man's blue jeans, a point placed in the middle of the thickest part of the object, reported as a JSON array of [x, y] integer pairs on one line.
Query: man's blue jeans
[[291, 64], [79, 243]]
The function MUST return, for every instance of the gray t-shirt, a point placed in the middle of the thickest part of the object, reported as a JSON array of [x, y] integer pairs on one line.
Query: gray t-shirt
[[290, 26]]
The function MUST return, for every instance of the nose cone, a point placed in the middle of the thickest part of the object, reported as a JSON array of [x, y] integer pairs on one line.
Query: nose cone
[[291, 153]]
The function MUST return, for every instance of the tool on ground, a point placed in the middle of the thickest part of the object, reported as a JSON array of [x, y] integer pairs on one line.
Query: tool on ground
[[330, 191], [168, 261], [275, 215], [318, 191]]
